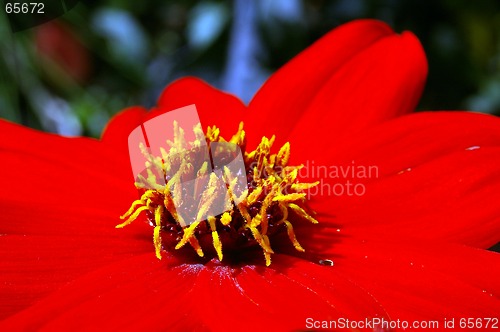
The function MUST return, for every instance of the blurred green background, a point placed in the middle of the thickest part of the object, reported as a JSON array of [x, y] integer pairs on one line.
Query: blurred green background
[[72, 74]]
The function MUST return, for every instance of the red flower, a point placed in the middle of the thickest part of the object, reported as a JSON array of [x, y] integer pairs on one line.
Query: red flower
[[408, 249]]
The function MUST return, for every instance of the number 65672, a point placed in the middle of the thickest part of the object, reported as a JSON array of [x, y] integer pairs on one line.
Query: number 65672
[[24, 8]]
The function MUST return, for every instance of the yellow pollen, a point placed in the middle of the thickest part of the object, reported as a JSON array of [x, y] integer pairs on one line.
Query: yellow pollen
[[272, 202]]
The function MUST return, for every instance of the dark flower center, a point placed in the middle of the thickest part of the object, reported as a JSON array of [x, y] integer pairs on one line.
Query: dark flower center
[[218, 198]]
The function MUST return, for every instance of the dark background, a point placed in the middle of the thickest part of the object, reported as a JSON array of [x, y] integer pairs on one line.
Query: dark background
[[72, 74]]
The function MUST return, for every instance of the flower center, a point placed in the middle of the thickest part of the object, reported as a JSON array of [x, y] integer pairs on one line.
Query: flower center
[[217, 199]]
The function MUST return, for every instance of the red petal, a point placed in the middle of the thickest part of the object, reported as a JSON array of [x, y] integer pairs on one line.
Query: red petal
[[409, 141], [336, 82], [121, 125], [449, 194], [214, 297], [128, 295], [451, 199], [62, 198], [214, 106], [34, 266], [382, 82], [389, 280], [416, 281], [65, 179], [282, 297]]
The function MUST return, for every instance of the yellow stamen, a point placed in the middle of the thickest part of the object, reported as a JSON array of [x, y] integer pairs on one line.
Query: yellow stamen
[[252, 198], [304, 186], [267, 255], [188, 233], [208, 196], [157, 241], [226, 218], [260, 239], [289, 198], [302, 213], [283, 155], [193, 241], [249, 212], [263, 210], [132, 208], [291, 235], [132, 217], [215, 237], [239, 137]]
